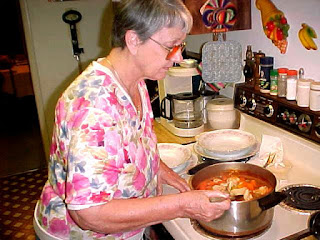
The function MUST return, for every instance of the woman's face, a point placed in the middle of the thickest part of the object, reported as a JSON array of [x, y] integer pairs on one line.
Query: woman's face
[[155, 56]]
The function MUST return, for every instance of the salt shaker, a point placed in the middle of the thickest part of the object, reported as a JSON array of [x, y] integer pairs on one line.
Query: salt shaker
[[282, 81], [291, 91]]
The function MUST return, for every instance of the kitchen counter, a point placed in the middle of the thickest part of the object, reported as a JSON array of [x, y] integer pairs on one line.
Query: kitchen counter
[[164, 136]]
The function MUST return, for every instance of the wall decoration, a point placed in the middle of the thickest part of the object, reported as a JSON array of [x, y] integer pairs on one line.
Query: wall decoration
[[219, 15], [274, 24], [306, 35]]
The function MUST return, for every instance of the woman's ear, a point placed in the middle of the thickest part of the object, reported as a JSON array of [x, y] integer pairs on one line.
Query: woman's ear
[[132, 41]]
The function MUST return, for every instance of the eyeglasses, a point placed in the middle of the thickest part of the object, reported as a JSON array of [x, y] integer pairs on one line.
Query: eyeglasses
[[172, 51]]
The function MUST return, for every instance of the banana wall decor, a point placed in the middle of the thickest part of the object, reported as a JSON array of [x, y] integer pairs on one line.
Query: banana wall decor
[[306, 35], [274, 23]]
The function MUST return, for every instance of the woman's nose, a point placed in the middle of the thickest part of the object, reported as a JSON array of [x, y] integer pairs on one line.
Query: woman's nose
[[177, 58]]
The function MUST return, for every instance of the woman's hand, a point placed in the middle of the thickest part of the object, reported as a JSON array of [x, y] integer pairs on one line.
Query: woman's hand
[[167, 176], [196, 204]]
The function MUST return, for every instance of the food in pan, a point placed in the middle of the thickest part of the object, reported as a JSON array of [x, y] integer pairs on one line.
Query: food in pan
[[241, 185]]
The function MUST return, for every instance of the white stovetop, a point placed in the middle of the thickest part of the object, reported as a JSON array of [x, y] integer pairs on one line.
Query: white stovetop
[[303, 155]]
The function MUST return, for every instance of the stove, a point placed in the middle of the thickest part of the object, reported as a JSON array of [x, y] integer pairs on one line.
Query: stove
[[301, 150], [303, 198]]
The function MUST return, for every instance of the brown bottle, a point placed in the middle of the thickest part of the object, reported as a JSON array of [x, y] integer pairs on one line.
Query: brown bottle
[[256, 72]]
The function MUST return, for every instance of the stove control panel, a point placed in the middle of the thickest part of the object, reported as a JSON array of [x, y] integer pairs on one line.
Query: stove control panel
[[278, 111]]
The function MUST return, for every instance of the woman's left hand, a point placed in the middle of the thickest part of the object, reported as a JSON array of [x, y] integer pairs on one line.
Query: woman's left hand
[[167, 176]]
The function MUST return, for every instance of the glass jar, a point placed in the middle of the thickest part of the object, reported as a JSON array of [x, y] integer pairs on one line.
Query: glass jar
[[291, 91], [315, 96], [303, 92], [282, 81], [274, 82]]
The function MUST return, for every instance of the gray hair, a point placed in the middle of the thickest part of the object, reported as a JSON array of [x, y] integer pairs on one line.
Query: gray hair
[[146, 17]]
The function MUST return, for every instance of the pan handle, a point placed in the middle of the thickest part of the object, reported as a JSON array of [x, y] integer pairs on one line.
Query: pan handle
[[198, 167], [271, 200]]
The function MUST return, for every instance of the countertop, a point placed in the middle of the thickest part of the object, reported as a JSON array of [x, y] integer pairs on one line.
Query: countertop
[[164, 136]]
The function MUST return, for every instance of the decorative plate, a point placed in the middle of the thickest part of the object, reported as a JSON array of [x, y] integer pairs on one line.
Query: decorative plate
[[198, 150], [222, 143], [174, 155]]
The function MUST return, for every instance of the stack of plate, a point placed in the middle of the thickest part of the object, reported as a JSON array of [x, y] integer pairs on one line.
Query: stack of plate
[[176, 156], [226, 144]]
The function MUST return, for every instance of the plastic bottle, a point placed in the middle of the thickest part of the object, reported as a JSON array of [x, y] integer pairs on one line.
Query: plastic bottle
[[291, 91], [274, 82], [282, 81], [303, 92], [315, 96]]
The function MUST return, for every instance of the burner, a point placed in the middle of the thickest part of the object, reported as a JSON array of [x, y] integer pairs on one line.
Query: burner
[[214, 236], [302, 198]]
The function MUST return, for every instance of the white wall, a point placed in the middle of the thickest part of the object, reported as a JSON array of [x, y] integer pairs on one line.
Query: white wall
[[296, 12], [49, 47]]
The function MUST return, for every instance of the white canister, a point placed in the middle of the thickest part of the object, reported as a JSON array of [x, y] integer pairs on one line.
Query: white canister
[[221, 114], [303, 92], [315, 96]]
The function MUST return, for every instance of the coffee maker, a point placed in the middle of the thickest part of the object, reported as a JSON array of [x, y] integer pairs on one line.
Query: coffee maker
[[181, 105]]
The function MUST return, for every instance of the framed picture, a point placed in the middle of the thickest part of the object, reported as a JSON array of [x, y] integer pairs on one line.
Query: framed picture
[[242, 14]]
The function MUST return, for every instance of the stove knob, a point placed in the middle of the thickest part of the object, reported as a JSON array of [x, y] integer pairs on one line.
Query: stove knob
[[317, 130], [243, 101], [268, 111], [293, 118], [252, 104]]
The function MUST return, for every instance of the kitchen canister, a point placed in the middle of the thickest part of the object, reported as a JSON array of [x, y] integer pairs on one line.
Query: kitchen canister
[[303, 92], [315, 96], [291, 91], [222, 114], [266, 65], [282, 81]]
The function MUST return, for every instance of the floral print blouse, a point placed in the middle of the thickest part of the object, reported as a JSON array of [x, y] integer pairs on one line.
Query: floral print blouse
[[100, 151]]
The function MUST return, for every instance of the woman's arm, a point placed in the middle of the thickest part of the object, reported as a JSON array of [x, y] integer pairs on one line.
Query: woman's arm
[[125, 215]]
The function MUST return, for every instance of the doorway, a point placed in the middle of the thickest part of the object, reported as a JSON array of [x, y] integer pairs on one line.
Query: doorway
[[21, 147]]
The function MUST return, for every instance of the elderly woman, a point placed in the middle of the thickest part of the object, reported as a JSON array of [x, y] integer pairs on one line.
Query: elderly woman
[[105, 174]]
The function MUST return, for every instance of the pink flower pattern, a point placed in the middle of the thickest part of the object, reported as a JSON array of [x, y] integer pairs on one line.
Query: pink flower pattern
[[98, 139]]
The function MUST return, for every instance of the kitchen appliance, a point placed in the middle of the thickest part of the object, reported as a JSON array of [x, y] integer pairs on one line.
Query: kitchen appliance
[[301, 151], [279, 111], [185, 110], [181, 105]]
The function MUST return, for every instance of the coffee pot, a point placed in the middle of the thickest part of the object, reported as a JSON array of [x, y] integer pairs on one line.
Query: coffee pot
[[185, 109]]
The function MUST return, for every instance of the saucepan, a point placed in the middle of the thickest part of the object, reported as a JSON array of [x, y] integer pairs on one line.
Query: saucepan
[[244, 217]]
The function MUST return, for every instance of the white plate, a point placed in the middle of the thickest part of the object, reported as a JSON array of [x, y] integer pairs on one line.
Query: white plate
[[183, 168], [198, 150], [174, 155], [226, 143]]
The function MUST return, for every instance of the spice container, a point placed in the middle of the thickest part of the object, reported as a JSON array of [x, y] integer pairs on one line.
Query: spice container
[[282, 81], [274, 82], [303, 92], [315, 96], [222, 114], [266, 65], [291, 91]]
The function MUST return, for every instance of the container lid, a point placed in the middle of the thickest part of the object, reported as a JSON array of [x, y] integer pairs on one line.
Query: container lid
[[220, 104], [304, 82], [182, 72], [315, 85], [185, 96], [292, 73], [274, 72], [266, 60], [282, 70]]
